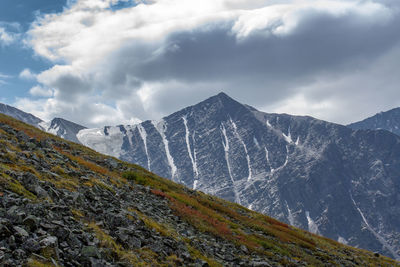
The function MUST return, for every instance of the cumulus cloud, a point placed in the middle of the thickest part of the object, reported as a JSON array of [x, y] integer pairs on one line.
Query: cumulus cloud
[[5, 37], [9, 33], [316, 57], [27, 74], [40, 92]]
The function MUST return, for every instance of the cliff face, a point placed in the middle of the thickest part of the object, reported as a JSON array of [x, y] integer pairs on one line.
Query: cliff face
[[61, 203]]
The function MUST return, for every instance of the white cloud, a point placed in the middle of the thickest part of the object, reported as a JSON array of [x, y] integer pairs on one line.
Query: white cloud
[[3, 78], [117, 65], [40, 92], [27, 74], [9, 32], [5, 37]]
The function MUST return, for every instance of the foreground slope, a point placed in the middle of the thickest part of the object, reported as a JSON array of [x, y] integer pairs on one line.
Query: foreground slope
[[61, 203], [388, 120], [313, 174]]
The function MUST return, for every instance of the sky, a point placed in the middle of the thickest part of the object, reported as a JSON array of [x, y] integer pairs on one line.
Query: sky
[[110, 62]]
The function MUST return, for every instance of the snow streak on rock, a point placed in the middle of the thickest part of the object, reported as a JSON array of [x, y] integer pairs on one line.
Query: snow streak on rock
[[312, 226], [143, 134], [194, 164], [342, 240], [268, 161], [290, 215], [161, 128], [226, 149], [195, 184], [381, 239], [245, 149], [288, 137]]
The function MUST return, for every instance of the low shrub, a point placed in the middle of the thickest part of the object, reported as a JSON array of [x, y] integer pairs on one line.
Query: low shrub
[[134, 177]]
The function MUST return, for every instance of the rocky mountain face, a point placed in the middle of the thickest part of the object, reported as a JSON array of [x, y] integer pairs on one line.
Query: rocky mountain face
[[57, 126], [62, 204], [389, 120], [19, 115], [323, 177], [62, 128]]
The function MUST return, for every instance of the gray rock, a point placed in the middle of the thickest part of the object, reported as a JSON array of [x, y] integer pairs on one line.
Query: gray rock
[[19, 254], [50, 241], [31, 222], [20, 232], [31, 245]]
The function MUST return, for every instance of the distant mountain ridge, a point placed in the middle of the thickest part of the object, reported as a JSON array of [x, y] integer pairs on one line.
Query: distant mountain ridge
[[57, 126], [320, 176], [388, 120]]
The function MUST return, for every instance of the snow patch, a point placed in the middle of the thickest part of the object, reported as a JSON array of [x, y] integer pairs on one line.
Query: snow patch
[[195, 184], [194, 164], [380, 238], [143, 135], [290, 215], [287, 157], [256, 142], [288, 137], [268, 162], [96, 139], [245, 149], [312, 226], [161, 127], [44, 125], [342, 240], [226, 149], [297, 141], [269, 124]]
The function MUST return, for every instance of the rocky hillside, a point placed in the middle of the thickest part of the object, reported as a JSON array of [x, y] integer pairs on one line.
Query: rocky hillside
[[388, 120], [316, 175], [64, 204]]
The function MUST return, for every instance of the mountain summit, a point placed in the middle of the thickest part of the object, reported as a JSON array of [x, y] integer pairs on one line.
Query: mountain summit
[[319, 176]]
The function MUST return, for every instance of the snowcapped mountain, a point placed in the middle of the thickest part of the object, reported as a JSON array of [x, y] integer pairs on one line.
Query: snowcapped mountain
[[388, 120], [57, 126], [63, 128], [320, 176], [19, 115]]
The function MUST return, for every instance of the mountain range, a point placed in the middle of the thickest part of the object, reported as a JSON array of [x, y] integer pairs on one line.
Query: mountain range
[[62, 204], [57, 126], [320, 176]]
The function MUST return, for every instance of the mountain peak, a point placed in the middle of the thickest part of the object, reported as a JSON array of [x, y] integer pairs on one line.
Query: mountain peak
[[223, 97]]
